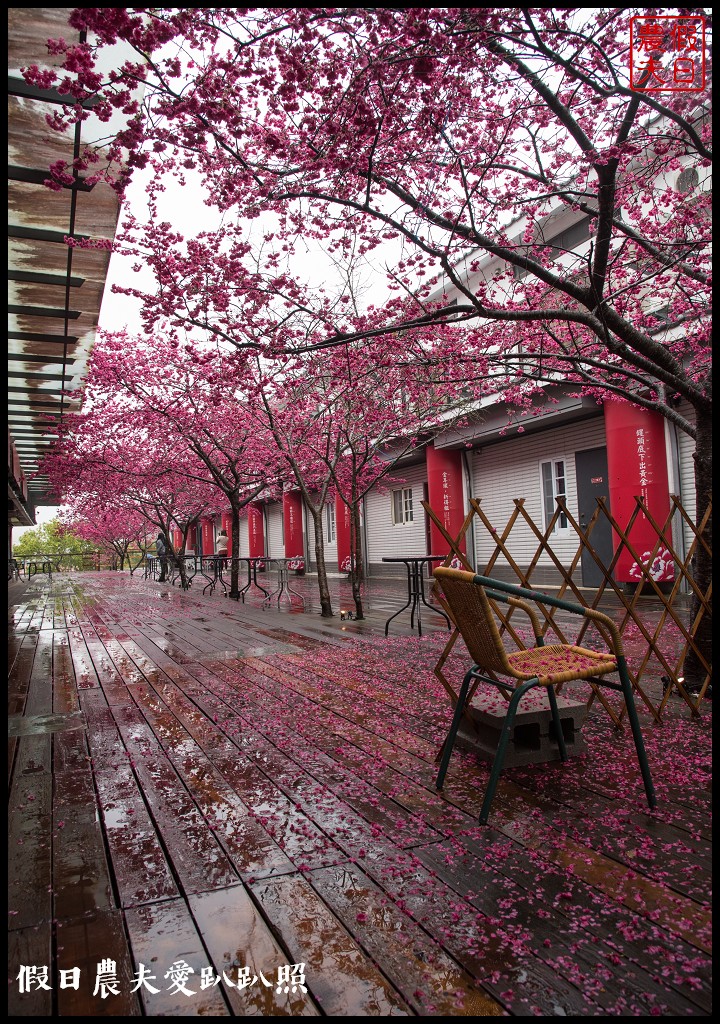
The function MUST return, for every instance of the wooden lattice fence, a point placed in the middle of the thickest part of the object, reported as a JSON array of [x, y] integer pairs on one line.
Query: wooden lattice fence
[[660, 623]]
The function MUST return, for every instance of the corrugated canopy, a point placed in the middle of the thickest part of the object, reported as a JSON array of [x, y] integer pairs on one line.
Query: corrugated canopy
[[54, 291]]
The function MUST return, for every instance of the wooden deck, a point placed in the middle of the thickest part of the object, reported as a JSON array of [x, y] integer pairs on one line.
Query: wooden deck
[[204, 794]]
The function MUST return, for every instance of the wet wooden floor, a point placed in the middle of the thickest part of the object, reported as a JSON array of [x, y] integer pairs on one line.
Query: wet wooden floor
[[219, 809]]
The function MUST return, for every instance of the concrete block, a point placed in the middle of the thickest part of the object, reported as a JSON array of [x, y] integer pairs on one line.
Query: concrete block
[[533, 736]]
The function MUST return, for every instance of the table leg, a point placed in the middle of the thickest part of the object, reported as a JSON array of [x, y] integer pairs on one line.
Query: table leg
[[243, 590], [406, 605], [265, 592], [212, 580], [438, 611]]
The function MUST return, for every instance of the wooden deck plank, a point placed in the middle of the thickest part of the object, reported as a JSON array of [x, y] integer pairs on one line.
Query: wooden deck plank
[[250, 848], [30, 851], [231, 786], [140, 868], [341, 979], [166, 942], [238, 937], [30, 948], [316, 750], [81, 878], [299, 839], [611, 925], [97, 946], [198, 860], [431, 982], [587, 952]]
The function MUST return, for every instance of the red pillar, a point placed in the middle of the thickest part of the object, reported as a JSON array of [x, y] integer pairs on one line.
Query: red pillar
[[445, 496], [293, 528], [176, 537], [191, 542], [342, 534], [637, 466], [207, 534], [256, 530]]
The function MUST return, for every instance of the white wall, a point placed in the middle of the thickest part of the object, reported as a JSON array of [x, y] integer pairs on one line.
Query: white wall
[[244, 537], [385, 539], [510, 468], [275, 546]]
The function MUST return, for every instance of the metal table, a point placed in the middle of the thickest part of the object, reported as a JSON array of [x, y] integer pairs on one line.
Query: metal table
[[254, 565], [211, 569], [284, 568], [416, 589]]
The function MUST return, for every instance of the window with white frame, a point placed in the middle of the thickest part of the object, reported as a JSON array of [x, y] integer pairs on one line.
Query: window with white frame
[[402, 506], [553, 486], [330, 522]]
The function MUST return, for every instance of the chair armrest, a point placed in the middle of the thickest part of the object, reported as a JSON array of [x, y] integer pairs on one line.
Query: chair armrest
[[556, 602], [515, 602], [610, 626]]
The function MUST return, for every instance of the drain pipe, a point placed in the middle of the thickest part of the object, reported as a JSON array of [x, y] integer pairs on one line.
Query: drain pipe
[[672, 446], [467, 494]]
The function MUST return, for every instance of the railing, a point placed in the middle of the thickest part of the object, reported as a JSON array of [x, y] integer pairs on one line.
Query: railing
[[660, 637], [42, 562]]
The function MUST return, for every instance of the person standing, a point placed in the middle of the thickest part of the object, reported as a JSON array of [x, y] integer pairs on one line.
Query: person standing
[[161, 549], [221, 544]]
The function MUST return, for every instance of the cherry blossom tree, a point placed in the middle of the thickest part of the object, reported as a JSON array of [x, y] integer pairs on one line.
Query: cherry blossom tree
[[108, 454], [201, 398], [111, 528], [467, 134]]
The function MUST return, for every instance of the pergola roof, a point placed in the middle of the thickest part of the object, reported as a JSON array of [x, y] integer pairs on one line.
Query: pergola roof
[[54, 291]]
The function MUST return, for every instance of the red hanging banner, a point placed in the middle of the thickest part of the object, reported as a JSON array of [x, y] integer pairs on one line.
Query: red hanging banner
[[293, 527], [256, 530], [342, 534], [637, 466], [207, 535], [445, 496]]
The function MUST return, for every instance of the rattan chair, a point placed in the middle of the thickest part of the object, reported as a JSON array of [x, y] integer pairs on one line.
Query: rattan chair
[[469, 598]]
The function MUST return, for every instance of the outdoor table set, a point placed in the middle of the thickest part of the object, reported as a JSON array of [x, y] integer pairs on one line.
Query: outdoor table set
[[284, 568], [416, 589]]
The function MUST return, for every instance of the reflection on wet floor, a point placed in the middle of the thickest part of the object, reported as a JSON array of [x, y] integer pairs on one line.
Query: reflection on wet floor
[[249, 792]]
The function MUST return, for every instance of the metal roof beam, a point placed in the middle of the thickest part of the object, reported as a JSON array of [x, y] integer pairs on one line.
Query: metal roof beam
[[19, 87], [36, 376], [42, 234], [57, 314], [49, 339], [35, 277], [32, 358], [36, 176]]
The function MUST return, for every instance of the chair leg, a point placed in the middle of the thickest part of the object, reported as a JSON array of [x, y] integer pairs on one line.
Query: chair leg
[[517, 696], [450, 739], [556, 722], [637, 732]]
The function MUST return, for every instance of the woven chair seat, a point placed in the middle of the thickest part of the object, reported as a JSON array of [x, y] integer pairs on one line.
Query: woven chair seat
[[475, 614], [560, 663]]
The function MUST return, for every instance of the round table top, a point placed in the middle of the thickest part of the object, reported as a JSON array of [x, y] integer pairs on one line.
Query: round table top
[[415, 558]]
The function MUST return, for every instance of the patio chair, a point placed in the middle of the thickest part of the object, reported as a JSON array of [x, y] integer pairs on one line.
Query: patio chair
[[469, 599]]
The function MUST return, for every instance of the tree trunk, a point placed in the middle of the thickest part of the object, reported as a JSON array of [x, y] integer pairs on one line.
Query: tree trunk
[[356, 560], [235, 550], [694, 669], [326, 611]]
